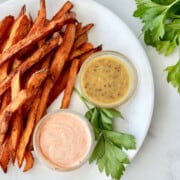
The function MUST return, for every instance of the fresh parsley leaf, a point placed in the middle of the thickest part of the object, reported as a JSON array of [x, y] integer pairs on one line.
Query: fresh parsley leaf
[[106, 121], [93, 115], [153, 16], [113, 160], [174, 75], [99, 150], [121, 140], [161, 28], [166, 2], [112, 113], [109, 152]]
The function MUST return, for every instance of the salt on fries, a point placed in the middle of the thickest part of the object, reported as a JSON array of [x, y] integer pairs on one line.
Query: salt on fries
[[38, 60]]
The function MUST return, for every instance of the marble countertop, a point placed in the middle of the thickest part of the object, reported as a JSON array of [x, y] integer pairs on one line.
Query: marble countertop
[[159, 157]]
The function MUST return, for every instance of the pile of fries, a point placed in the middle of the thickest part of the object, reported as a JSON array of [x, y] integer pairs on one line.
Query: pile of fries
[[38, 60]]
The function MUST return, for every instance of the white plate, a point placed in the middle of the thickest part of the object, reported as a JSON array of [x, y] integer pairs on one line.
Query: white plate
[[110, 31]]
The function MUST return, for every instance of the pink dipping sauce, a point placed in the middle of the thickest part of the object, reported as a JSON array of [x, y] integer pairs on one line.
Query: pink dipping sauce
[[64, 140]]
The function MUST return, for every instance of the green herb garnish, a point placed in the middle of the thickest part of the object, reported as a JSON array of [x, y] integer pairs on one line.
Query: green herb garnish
[[161, 30], [109, 152]]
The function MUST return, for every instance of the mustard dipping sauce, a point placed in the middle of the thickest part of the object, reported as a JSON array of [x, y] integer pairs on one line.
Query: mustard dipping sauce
[[105, 80]]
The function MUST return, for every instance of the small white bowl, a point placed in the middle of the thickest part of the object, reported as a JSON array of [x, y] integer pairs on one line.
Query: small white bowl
[[123, 61], [38, 135]]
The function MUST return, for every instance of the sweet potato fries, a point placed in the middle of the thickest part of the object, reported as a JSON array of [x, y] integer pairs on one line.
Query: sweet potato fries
[[39, 58]]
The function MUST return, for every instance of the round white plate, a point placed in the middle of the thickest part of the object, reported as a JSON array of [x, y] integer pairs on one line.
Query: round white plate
[[113, 33]]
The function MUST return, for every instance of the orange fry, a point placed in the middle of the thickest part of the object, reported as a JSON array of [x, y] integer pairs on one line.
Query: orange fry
[[33, 84], [29, 40], [70, 84], [5, 155], [57, 65], [86, 55], [66, 7], [40, 53], [78, 52], [29, 161], [58, 87], [36, 80], [6, 115], [18, 31], [5, 27], [83, 30], [63, 51], [41, 18], [16, 129], [80, 41], [15, 85], [26, 134], [17, 118], [6, 99]]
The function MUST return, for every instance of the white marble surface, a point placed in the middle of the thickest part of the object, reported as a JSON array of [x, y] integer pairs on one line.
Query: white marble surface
[[159, 157]]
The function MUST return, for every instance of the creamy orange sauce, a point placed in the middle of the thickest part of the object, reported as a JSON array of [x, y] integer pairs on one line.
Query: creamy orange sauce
[[64, 140], [105, 80]]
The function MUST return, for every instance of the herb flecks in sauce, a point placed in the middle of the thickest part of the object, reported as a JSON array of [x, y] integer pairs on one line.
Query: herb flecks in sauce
[[105, 79]]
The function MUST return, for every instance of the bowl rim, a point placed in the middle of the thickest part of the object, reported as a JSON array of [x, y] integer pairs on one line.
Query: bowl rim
[[130, 67], [37, 150]]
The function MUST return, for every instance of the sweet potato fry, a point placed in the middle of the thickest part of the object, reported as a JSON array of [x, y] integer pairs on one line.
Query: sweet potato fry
[[15, 85], [18, 31], [16, 129], [78, 52], [6, 115], [83, 30], [57, 65], [78, 26], [16, 64], [86, 55], [39, 23], [41, 18], [6, 99], [29, 161], [36, 80], [5, 27], [43, 103], [63, 52], [70, 84], [26, 134], [39, 54], [17, 118], [5, 155], [86, 47], [65, 8], [58, 87], [80, 41], [40, 103], [29, 40], [7, 82], [33, 84]]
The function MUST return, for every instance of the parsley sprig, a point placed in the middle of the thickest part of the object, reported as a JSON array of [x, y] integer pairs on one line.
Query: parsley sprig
[[109, 152], [161, 19]]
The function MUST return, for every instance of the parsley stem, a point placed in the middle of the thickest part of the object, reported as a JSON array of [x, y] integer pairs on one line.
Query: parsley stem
[[173, 3], [179, 45], [82, 98]]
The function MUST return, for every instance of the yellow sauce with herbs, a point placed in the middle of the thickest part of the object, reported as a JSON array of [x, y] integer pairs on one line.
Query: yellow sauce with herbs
[[105, 80]]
